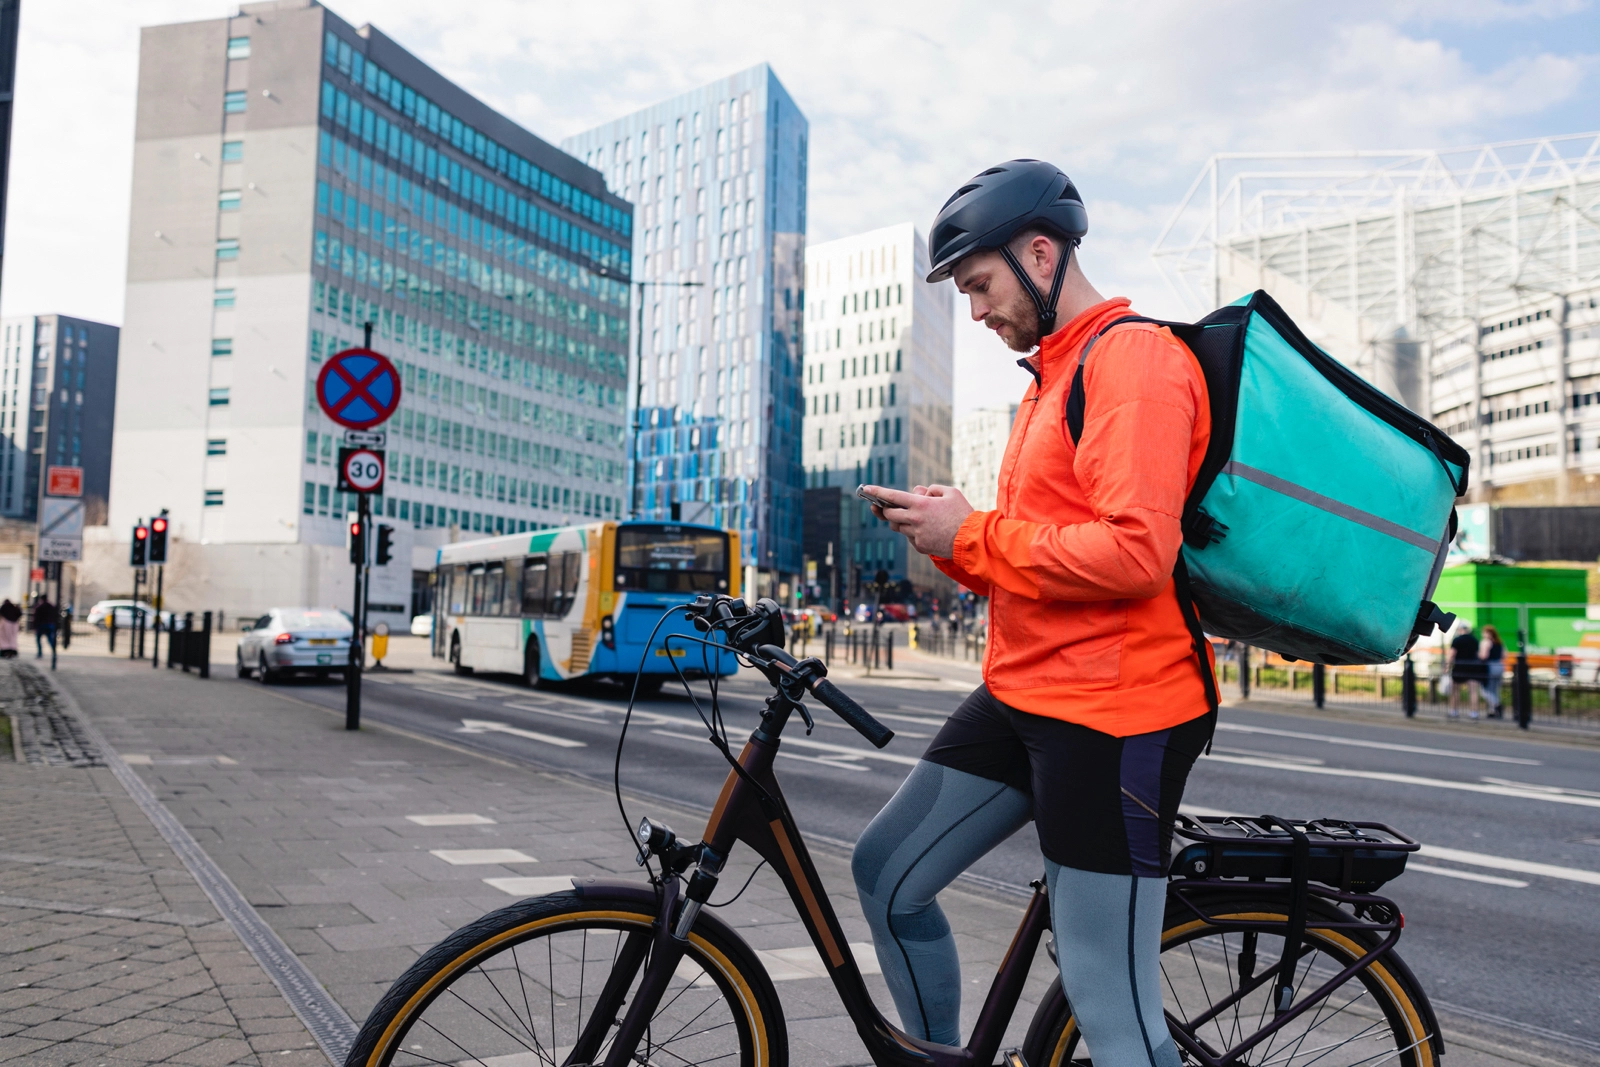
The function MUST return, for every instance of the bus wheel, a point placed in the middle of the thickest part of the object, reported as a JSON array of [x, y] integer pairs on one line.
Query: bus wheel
[[455, 655], [530, 665]]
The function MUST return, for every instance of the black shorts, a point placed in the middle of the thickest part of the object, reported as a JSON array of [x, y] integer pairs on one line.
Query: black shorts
[[1100, 803]]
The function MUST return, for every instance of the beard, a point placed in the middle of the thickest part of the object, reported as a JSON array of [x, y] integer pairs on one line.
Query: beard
[[1023, 318]]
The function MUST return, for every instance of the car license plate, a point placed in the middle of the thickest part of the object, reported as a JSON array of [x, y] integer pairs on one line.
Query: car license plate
[[322, 641], [326, 657]]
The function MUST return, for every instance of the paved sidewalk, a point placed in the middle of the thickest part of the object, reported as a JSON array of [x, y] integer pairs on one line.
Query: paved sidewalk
[[109, 951], [337, 841]]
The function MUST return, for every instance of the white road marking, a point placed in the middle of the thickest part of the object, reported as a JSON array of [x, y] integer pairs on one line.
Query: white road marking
[[1541, 788], [1390, 746], [800, 742], [463, 819], [843, 763], [1506, 863], [464, 857], [1411, 779], [1468, 876], [485, 726], [552, 712], [1456, 855], [532, 887]]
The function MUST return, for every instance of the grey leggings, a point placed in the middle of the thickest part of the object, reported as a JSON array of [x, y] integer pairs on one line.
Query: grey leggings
[[1107, 926]]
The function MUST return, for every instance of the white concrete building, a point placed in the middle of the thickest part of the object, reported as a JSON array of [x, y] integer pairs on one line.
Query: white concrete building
[[978, 446], [295, 177], [879, 382]]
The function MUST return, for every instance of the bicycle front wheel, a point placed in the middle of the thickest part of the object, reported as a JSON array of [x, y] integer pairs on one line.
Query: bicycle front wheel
[[1377, 1016], [547, 981]]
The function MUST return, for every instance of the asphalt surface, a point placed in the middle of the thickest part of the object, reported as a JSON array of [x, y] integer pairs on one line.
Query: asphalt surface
[[1501, 907]]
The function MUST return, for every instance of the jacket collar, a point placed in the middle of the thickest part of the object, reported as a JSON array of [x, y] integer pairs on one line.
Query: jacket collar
[[1068, 341]]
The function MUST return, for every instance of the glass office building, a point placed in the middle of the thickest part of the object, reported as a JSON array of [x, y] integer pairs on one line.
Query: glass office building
[[296, 178], [717, 177]]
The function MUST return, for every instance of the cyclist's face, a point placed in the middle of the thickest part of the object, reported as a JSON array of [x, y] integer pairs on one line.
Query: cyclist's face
[[998, 300]]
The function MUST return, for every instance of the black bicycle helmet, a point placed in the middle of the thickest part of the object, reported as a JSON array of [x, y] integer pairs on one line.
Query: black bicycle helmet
[[986, 212]]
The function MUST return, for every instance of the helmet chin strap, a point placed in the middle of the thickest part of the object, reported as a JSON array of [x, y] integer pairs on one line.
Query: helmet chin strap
[[1047, 309]]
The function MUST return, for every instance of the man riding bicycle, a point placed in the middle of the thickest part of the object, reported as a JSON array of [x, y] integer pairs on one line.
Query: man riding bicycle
[[1093, 707]]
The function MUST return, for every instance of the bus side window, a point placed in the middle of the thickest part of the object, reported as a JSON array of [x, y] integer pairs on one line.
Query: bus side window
[[457, 597], [511, 596], [475, 600], [494, 580], [570, 574], [534, 571]]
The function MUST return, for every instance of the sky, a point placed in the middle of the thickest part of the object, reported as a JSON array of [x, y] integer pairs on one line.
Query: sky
[[905, 101]]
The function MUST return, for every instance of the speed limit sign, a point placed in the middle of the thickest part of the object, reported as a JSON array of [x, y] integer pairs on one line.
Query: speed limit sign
[[360, 470]]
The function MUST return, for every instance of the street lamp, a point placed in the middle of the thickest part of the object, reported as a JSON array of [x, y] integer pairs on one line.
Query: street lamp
[[638, 381]]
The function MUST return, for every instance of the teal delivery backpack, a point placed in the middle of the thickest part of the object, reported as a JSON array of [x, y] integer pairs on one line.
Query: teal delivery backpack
[[1323, 510]]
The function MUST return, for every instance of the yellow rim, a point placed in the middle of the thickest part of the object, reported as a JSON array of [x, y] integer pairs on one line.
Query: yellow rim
[[1416, 1036], [724, 965]]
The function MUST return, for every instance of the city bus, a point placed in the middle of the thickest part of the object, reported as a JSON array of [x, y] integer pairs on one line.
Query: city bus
[[582, 601]]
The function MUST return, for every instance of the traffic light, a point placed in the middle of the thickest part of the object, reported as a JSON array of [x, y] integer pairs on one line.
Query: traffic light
[[385, 543], [139, 551], [158, 539], [357, 541]]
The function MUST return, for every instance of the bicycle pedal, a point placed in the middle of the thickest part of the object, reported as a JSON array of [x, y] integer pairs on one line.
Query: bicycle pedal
[[1013, 1058]]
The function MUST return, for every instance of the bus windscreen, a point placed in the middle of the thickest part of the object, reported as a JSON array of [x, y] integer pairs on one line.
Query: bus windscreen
[[671, 559]]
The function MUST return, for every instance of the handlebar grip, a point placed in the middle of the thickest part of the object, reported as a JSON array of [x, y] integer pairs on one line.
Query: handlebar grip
[[853, 713]]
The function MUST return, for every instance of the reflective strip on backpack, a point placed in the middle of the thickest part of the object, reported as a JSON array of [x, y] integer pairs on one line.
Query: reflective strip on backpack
[[1328, 504]]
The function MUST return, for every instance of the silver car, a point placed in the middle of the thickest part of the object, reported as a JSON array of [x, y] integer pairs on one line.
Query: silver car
[[288, 641]]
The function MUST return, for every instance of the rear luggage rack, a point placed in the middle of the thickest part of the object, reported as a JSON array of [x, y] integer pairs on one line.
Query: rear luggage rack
[[1351, 856]]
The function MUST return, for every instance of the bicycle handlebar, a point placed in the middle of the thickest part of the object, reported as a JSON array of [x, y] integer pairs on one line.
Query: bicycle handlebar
[[835, 699]]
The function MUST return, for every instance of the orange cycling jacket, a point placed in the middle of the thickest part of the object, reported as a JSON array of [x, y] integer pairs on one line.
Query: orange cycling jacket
[[1077, 557]]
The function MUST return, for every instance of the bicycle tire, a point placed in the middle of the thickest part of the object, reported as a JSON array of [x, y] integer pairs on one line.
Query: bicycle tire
[[1389, 986], [422, 996]]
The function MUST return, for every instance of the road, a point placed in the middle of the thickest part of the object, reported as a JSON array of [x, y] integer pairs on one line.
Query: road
[[1501, 907]]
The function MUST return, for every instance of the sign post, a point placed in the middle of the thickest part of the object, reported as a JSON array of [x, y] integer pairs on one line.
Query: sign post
[[359, 389]]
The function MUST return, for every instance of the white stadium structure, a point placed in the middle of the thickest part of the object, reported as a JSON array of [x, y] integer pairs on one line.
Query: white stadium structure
[[1465, 283]]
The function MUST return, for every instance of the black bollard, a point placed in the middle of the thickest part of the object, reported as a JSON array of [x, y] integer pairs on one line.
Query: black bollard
[[1408, 689], [1319, 682], [1522, 692], [205, 647], [112, 629], [1244, 672], [888, 649]]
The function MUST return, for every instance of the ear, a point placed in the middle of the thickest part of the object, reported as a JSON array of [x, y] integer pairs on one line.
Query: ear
[[1043, 252]]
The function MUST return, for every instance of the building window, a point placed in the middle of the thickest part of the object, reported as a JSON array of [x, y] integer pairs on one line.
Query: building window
[[234, 102], [232, 151], [228, 200], [219, 398], [222, 298], [217, 446], [228, 248], [238, 48], [310, 507], [222, 346], [213, 498]]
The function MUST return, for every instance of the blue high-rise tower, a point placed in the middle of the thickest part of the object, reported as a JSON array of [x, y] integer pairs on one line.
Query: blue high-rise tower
[[718, 180]]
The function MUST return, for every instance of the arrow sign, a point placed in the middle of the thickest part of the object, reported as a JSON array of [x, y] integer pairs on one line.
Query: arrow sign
[[358, 388], [485, 726]]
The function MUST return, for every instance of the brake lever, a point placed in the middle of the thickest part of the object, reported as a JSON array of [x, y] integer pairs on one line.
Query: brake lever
[[805, 713]]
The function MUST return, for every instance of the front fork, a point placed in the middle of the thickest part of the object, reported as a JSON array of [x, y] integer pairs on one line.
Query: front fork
[[668, 942]]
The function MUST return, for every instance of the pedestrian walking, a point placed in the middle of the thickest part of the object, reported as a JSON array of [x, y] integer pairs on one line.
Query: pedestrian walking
[[1493, 654], [1466, 671], [10, 617], [45, 617]]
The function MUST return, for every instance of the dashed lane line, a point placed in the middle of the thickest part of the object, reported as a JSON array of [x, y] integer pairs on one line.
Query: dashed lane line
[[1411, 779]]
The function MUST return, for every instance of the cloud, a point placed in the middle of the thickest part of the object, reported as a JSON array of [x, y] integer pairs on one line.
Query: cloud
[[905, 101]]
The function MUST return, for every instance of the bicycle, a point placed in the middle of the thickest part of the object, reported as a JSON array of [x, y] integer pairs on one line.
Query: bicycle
[[1276, 949]]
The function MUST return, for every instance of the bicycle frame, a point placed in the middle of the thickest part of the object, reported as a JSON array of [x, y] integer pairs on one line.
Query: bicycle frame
[[742, 814]]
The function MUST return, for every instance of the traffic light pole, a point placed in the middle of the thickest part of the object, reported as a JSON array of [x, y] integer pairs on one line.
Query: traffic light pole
[[358, 618], [133, 617], [155, 640]]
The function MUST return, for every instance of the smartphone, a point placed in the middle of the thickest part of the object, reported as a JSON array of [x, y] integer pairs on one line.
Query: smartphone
[[861, 491]]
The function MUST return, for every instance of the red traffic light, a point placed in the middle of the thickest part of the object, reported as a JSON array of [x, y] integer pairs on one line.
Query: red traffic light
[[141, 532], [158, 525]]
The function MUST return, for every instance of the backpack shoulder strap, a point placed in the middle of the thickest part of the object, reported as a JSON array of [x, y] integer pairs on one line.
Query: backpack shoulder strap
[[1076, 398]]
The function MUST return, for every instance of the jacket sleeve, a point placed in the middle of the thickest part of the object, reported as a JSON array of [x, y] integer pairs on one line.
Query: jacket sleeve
[[1135, 461], [954, 570]]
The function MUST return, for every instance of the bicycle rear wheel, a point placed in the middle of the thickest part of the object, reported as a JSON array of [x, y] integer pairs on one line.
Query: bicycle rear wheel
[[1377, 1016], [547, 980]]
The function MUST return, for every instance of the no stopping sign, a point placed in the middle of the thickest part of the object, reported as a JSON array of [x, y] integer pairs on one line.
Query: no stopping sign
[[360, 470]]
